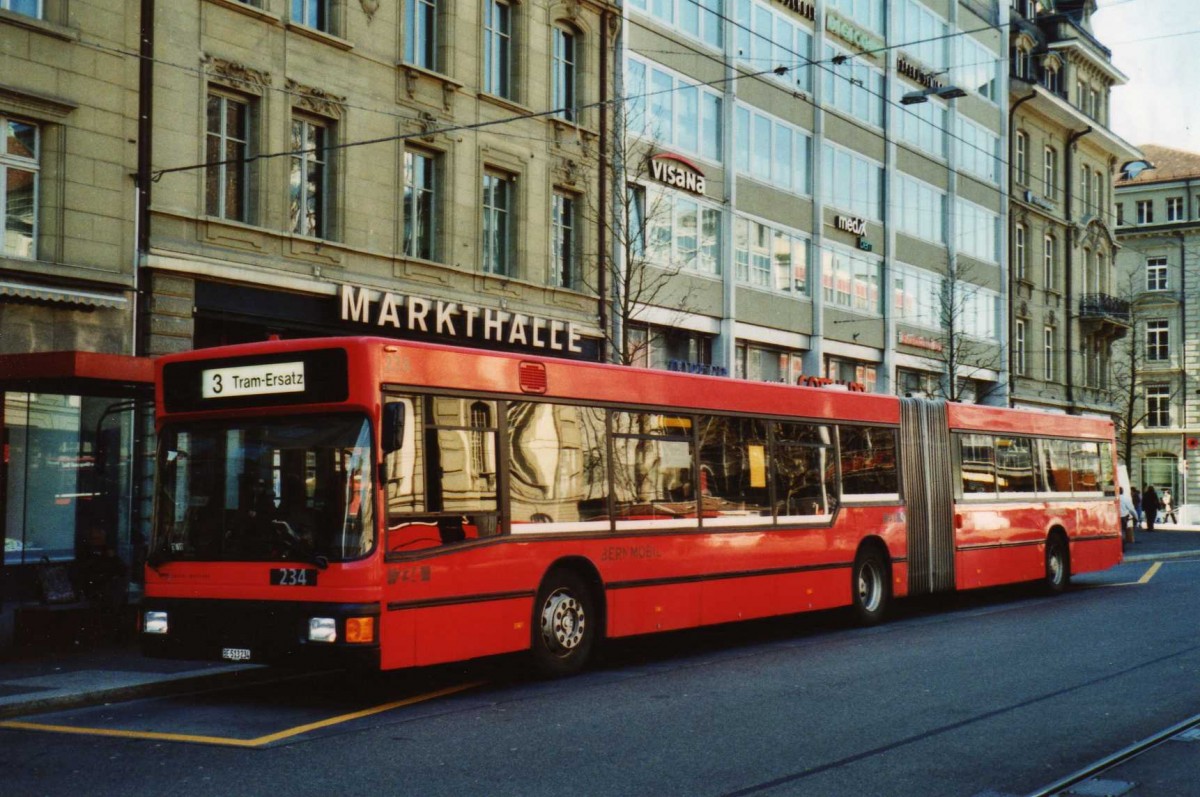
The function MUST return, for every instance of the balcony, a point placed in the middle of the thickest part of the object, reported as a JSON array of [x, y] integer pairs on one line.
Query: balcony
[[1104, 314]]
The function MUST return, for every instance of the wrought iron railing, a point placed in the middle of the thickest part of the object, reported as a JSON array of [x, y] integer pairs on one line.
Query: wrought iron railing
[[1101, 305]]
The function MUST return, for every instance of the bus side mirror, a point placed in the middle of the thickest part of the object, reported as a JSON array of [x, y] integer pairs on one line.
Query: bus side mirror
[[393, 426]]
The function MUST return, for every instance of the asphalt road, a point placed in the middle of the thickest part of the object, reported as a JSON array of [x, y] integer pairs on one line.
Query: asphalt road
[[993, 693]]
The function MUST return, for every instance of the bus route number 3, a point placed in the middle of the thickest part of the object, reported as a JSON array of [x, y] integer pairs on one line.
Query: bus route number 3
[[293, 577]]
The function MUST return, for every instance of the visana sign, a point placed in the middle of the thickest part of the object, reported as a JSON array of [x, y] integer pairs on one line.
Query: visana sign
[[677, 172], [456, 320]]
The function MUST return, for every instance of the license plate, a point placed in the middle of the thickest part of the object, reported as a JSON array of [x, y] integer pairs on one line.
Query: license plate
[[293, 577], [235, 654]]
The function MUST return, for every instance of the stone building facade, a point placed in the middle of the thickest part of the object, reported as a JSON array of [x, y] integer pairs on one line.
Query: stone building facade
[[1158, 217], [1065, 309]]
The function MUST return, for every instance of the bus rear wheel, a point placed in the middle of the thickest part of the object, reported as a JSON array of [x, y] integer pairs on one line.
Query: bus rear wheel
[[564, 624], [1058, 565], [870, 590]]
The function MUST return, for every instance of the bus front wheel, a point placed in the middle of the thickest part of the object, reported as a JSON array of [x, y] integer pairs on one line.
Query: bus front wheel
[[564, 624], [869, 586]]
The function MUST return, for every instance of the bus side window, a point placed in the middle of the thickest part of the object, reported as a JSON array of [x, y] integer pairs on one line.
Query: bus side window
[[461, 454], [868, 458], [976, 455], [1085, 467], [804, 470], [653, 477], [1056, 465], [1014, 464], [734, 468], [558, 465]]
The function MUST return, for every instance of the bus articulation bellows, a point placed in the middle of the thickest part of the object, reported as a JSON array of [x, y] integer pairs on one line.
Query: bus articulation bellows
[[392, 504]]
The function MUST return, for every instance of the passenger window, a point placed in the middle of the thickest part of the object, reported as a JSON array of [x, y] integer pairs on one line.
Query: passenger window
[[653, 479], [868, 456], [1056, 465], [1108, 479], [976, 455], [804, 472], [441, 486], [733, 471], [558, 467], [1085, 467], [1014, 464]]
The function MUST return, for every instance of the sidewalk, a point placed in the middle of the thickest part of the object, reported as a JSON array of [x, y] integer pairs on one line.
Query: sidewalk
[[34, 681]]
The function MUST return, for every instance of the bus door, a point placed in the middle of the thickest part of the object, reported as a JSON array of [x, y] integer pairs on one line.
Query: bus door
[[927, 464]]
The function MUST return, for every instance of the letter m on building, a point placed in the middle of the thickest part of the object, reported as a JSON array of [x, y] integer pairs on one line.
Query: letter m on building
[[356, 304]]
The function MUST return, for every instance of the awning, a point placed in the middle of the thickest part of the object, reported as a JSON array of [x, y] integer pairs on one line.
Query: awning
[[43, 293], [75, 371]]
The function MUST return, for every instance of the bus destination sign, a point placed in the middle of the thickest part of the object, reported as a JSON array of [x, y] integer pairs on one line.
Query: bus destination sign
[[252, 380]]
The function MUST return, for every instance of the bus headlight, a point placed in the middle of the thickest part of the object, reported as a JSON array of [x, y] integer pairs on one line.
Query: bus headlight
[[322, 629], [155, 623]]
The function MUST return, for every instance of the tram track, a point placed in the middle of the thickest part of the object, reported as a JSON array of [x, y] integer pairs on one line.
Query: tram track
[[1111, 762]]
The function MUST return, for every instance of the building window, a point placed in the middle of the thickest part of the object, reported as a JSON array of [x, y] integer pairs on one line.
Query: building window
[[922, 209], [227, 177], [1098, 190], [19, 176], [1048, 353], [562, 76], [978, 230], [976, 68], [844, 370], [978, 150], [309, 179], [1085, 187], [1050, 171], [1019, 347], [770, 258], [682, 233], [1052, 80], [1022, 64], [1175, 208], [30, 8], [564, 257], [851, 182], [1156, 274], [497, 48], [421, 188], [673, 110], [1158, 406], [1120, 213], [918, 297], [1049, 253], [917, 383], [764, 39], [1158, 340], [1019, 252], [1022, 158], [867, 13], [311, 13], [852, 86], [498, 196], [420, 43], [851, 281], [771, 150], [1145, 211]]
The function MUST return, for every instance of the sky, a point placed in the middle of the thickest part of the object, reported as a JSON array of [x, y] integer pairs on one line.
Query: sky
[[1156, 43]]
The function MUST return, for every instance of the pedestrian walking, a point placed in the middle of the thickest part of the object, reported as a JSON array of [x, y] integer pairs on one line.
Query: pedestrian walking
[[1168, 507], [1128, 517], [1150, 505], [1137, 505]]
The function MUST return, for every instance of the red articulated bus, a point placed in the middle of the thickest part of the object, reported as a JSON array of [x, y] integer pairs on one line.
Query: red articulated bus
[[395, 504]]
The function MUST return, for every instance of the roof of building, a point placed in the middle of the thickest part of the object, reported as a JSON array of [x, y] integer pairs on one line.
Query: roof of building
[[1169, 164]]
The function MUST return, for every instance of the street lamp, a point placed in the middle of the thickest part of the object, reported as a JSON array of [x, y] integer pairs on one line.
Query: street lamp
[[944, 92]]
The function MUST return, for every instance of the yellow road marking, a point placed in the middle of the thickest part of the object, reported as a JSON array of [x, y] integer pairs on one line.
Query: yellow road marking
[[1150, 573], [231, 742]]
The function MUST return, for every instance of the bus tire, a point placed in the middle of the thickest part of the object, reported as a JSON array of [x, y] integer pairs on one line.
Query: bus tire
[[869, 586], [1058, 565], [565, 623]]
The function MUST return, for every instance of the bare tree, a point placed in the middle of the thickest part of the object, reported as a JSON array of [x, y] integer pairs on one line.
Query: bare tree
[[636, 271]]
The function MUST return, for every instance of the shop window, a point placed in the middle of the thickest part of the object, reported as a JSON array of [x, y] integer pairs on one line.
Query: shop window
[[68, 482]]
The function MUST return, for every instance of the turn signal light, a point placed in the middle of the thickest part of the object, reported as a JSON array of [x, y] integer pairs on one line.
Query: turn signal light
[[360, 629]]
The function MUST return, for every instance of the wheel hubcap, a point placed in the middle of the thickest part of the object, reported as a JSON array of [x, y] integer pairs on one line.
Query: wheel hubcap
[[563, 622], [870, 587], [1056, 567]]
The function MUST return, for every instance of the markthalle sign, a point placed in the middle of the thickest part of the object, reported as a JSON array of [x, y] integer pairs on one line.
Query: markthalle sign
[[461, 324]]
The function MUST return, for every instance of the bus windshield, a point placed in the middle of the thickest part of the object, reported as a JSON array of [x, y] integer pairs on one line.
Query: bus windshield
[[293, 488]]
